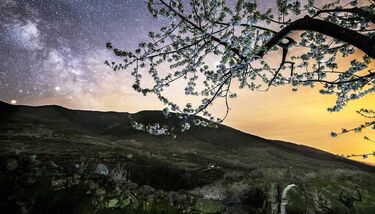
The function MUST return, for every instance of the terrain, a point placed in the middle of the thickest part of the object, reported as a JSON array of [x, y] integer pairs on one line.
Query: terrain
[[57, 160]]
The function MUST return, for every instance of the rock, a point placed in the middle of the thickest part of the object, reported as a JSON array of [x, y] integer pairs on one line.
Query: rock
[[112, 203], [11, 165], [100, 191], [211, 166], [53, 164], [32, 158], [126, 202], [58, 183], [102, 169], [129, 156], [76, 166]]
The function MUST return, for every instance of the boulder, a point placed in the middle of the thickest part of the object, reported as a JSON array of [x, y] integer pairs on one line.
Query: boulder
[[102, 169]]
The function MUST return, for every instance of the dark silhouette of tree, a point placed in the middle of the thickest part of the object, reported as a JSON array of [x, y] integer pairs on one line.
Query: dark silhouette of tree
[[243, 38]]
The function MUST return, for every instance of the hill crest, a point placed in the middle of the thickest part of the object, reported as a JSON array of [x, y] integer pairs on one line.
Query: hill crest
[[117, 125]]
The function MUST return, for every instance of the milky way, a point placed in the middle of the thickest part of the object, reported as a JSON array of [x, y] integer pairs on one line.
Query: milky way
[[52, 52], [57, 48]]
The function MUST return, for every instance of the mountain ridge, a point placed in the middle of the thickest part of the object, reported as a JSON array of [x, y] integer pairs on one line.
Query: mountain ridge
[[51, 152], [117, 123]]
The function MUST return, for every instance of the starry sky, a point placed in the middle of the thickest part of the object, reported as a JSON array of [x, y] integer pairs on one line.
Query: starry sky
[[57, 48], [53, 52]]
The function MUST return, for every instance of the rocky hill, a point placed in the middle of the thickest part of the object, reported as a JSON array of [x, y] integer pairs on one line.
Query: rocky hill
[[56, 160]]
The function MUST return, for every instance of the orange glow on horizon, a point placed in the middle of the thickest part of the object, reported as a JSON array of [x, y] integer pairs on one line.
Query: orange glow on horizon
[[299, 117]]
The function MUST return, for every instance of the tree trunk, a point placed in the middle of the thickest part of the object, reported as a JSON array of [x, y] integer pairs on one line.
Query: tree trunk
[[360, 41]]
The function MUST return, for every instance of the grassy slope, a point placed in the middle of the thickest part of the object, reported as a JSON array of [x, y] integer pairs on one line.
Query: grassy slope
[[66, 137]]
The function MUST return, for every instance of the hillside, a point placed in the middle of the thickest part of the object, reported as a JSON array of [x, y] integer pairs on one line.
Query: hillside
[[52, 143]]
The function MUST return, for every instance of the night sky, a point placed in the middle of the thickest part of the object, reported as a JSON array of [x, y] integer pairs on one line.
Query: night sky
[[53, 52], [57, 48]]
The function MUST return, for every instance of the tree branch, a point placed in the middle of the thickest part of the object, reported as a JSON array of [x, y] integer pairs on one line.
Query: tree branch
[[362, 42], [358, 11], [182, 17], [369, 76], [285, 47]]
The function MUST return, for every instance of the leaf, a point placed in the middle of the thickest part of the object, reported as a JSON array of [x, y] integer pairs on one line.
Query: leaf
[[239, 5], [150, 6], [109, 45]]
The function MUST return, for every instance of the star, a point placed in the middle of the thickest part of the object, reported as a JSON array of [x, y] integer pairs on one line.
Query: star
[[45, 45]]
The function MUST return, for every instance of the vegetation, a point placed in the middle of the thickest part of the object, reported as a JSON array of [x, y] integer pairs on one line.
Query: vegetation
[[55, 160], [246, 40]]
